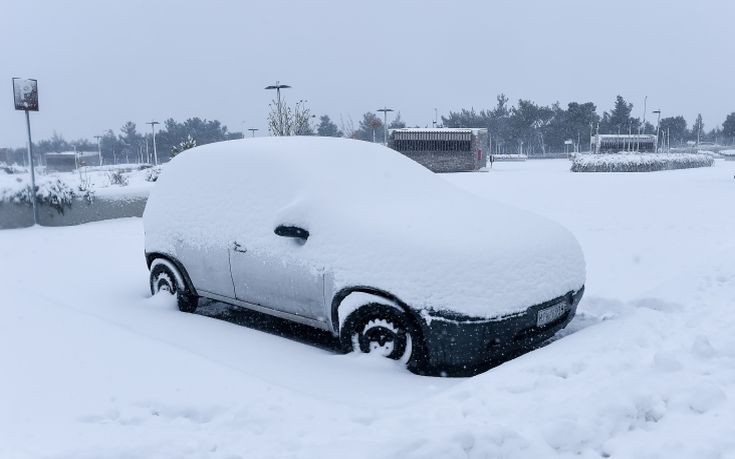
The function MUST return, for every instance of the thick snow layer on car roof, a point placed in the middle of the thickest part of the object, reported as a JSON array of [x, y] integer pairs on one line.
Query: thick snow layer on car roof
[[376, 218]]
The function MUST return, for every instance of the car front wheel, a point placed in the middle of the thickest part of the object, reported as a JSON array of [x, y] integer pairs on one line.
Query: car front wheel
[[165, 278], [382, 330]]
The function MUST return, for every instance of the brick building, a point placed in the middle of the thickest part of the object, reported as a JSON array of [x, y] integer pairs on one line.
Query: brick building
[[443, 149]]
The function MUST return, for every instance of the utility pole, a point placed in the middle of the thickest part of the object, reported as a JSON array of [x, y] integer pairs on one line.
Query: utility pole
[[385, 111], [153, 132], [252, 131], [278, 86]]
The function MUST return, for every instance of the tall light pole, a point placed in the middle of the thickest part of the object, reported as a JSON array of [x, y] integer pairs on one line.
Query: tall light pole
[[278, 86], [252, 131], [385, 111], [153, 133], [99, 147], [658, 125]]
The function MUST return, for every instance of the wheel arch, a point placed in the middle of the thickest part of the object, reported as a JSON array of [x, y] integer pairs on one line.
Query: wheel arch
[[377, 295], [186, 280]]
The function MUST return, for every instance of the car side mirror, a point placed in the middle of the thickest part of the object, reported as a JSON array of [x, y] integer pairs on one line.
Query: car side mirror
[[292, 231]]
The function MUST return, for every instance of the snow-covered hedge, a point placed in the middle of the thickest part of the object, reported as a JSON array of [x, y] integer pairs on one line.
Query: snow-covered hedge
[[728, 154], [639, 162], [52, 192]]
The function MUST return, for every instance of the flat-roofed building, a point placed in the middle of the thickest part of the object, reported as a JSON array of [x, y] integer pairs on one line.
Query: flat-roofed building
[[614, 143], [443, 149]]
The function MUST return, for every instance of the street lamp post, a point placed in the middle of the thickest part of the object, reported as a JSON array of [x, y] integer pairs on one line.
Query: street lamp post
[[658, 125], [252, 131], [278, 86], [153, 133], [385, 111], [99, 148]]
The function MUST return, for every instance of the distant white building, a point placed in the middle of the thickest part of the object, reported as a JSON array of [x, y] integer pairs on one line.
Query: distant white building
[[67, 161], [614, 143]]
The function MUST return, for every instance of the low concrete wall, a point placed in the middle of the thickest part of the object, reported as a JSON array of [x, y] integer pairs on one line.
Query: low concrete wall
[[102, 208]]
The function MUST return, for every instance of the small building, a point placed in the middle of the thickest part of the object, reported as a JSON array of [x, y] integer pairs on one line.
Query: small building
[[68, 161], [443, 149], [614, 143]]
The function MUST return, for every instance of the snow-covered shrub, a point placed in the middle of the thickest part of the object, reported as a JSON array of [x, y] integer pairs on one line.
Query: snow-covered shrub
[[639, 162], [12, 168], [151, 175], [53, 193], [728, 154], [117, 177]]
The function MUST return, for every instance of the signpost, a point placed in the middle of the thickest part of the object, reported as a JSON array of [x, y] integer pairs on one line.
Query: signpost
[[25, 94]]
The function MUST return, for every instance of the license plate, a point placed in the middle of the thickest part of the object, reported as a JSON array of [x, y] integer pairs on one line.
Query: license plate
[[550, 314]]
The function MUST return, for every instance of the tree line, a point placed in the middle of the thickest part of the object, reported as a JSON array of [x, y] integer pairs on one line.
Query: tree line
[[524, 127]]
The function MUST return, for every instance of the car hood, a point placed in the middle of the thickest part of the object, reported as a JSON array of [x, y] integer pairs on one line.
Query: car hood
[[457, 253]]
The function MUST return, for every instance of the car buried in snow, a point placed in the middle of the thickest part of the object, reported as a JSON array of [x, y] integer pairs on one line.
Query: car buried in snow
[[356, 239]]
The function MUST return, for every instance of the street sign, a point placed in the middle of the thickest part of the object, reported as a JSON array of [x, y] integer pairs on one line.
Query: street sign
[[25, 92]]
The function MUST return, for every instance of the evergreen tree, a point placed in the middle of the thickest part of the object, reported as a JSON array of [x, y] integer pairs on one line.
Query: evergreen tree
[[728, 128], [697, 128], [186, 144], [370, 128], [327, 128], [675, 127], [618, 120], [397, 122]]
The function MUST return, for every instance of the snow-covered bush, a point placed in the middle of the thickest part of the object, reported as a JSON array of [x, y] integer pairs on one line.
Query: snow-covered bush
[[151, 175], [639, 162], [53, 192], [117, 177], [12, 168], [728, 154]]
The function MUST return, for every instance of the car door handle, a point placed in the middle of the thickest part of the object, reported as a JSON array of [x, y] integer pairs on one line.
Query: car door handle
[[237, 247]]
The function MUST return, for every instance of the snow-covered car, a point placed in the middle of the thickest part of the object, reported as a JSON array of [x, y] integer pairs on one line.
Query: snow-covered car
[[356, 239]]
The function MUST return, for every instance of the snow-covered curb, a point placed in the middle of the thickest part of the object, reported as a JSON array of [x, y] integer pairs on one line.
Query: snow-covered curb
[[639, 162], [509, 157]]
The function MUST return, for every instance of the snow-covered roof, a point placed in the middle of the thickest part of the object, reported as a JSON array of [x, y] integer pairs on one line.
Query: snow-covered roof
[[375, 217]]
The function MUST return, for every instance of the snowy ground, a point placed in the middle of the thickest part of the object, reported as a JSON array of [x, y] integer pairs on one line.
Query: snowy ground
[[92, 367]]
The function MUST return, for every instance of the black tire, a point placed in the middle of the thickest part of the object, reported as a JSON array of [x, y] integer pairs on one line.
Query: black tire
[[382, 329], [164, 279]]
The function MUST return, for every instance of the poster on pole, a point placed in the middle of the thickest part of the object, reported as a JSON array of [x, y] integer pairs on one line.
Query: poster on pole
[[25, 92]]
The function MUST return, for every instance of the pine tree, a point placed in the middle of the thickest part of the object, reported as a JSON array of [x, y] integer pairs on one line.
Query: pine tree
[[327, 128], [698, 128], [186, 144]]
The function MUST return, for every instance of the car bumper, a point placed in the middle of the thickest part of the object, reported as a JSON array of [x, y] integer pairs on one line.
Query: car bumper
[[461, 344]]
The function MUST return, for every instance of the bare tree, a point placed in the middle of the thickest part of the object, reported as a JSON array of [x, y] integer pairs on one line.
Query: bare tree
[[347, 127], [294, 120]]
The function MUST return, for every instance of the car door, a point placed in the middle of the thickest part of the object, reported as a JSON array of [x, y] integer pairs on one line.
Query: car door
[[208, 267], [278, 279]]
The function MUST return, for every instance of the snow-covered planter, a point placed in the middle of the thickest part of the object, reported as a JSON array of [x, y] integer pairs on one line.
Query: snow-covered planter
[[639, 162]]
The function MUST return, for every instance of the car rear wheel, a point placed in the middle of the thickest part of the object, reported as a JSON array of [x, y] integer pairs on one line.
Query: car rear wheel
[[166, 278], [382, 330]]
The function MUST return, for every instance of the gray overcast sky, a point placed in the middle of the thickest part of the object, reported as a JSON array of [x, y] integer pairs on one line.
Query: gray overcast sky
[[101, 63]]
